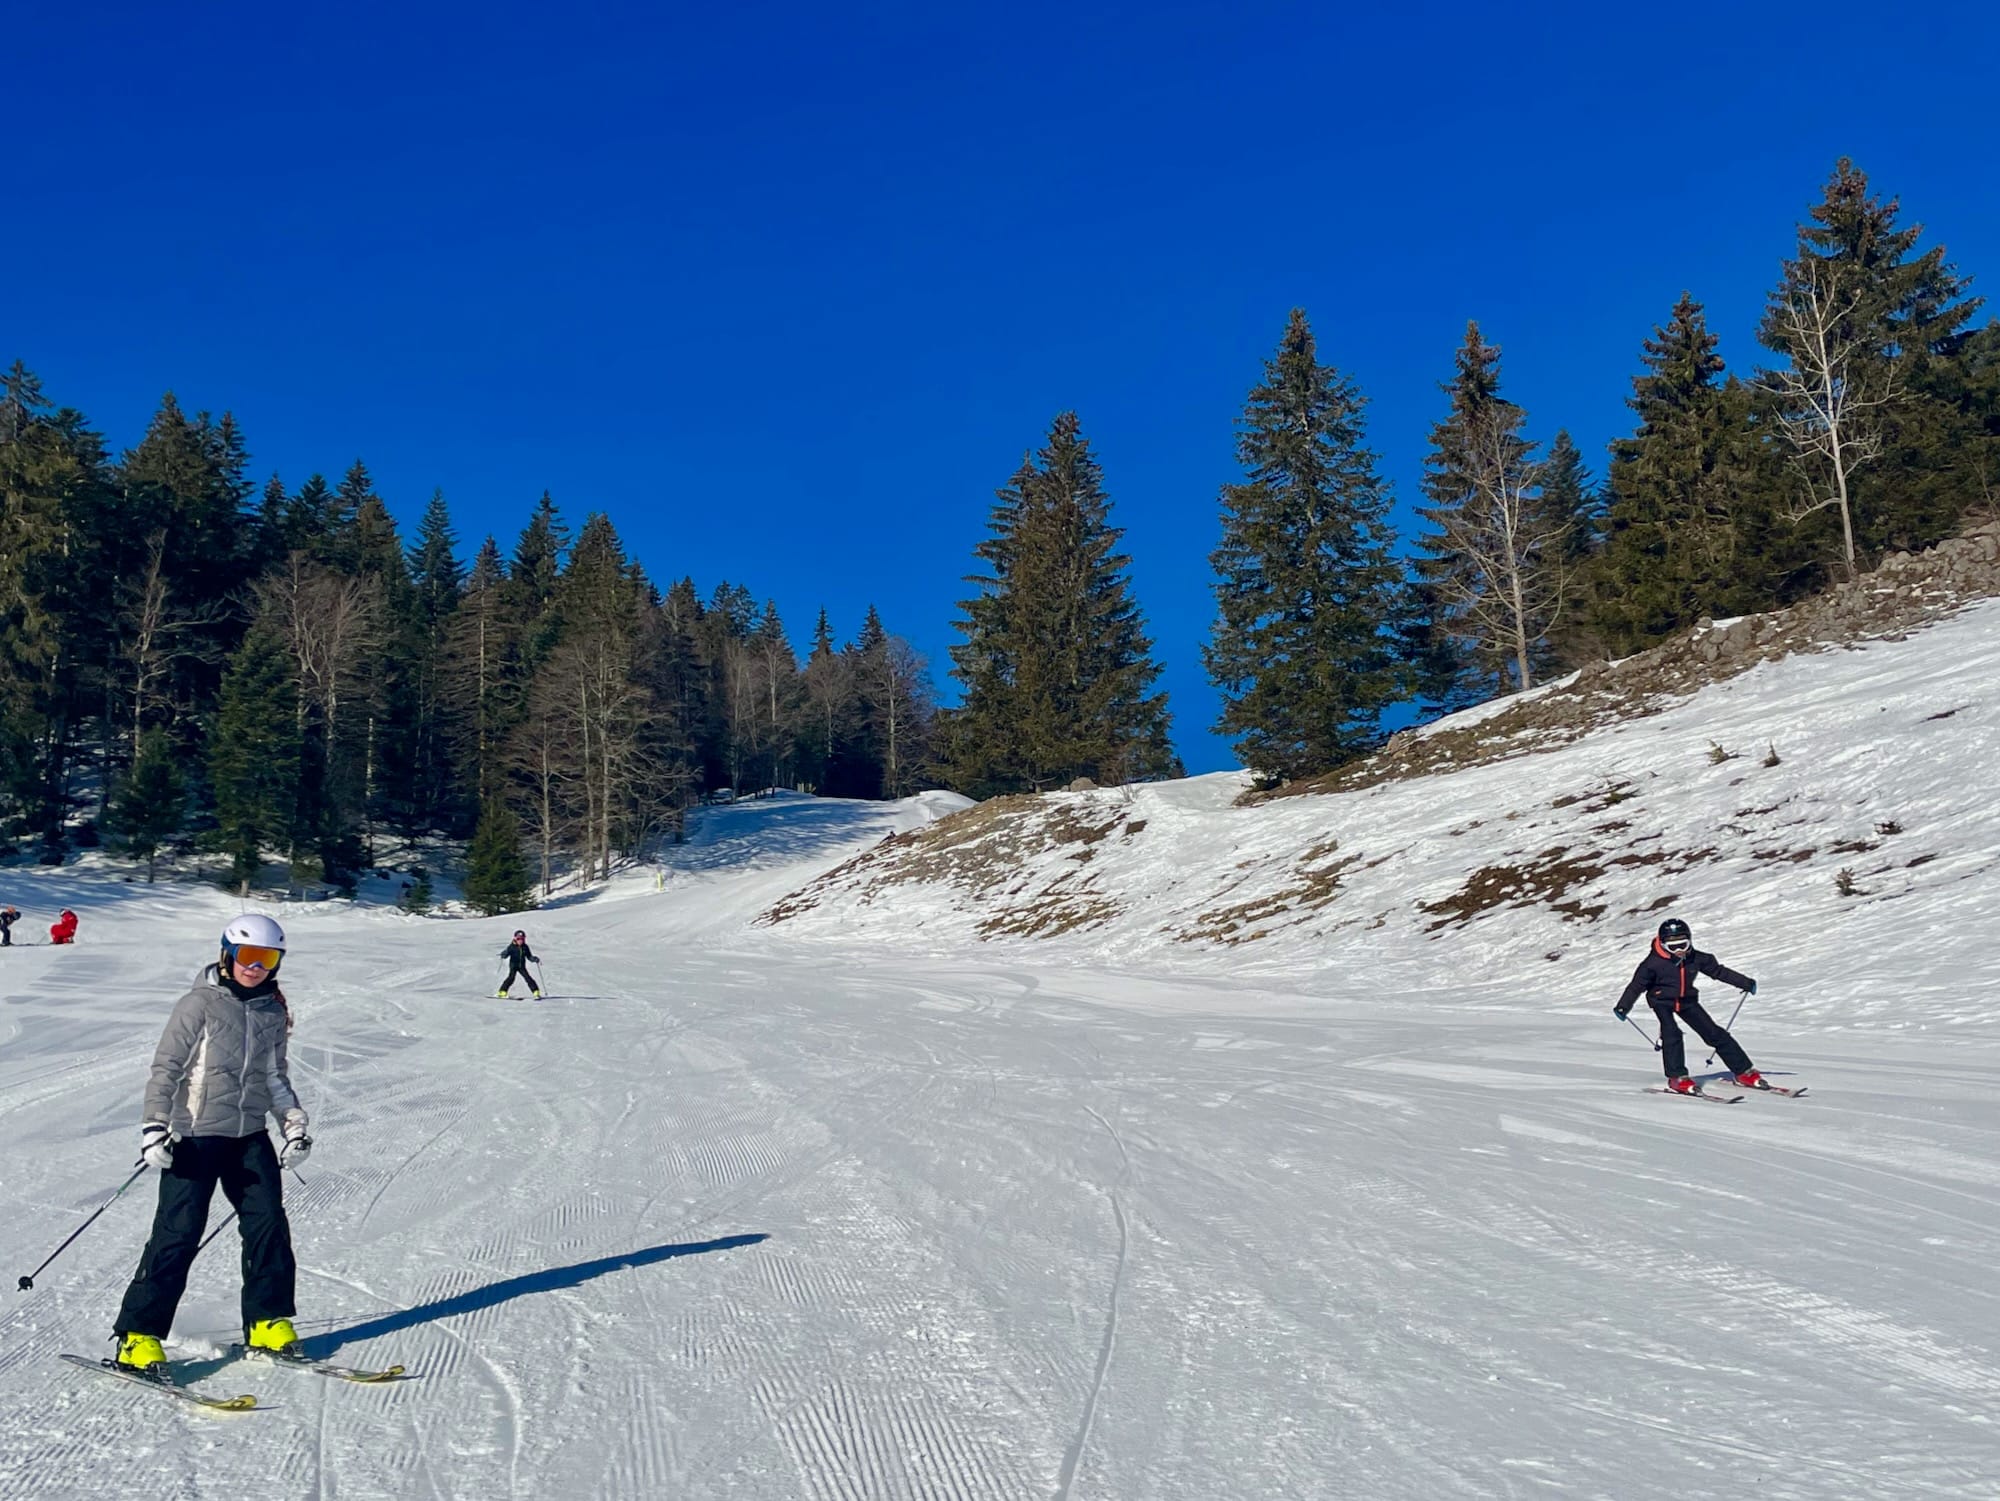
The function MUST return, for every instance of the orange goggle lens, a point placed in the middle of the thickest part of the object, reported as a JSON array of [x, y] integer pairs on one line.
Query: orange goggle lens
[[257, 956]]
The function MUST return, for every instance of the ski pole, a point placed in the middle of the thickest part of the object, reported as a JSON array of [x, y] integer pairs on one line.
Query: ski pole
[[1741, 997], [27, 1283], [1642, 1032]]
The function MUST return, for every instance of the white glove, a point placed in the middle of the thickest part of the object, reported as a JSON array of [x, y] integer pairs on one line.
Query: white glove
[[156, 1145], [298, 1146]]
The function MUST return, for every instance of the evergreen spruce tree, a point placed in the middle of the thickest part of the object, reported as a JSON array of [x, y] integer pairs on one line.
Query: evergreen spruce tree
[[1306, 589], [417, 897], [309, 519], [496, 875], [1906, 317], [426, 730], [272, 525], [483, 681], [254, 755], [1569, 493], [61, 542], [531, 581], [184, 489], [1686, 535], [1056, 665], [150, 806], [35, 471]]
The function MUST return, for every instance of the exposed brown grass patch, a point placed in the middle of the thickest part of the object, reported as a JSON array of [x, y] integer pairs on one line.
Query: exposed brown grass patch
[[1546, 880]]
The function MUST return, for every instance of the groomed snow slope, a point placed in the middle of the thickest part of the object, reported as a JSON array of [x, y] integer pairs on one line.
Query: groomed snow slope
[[859, 1205]]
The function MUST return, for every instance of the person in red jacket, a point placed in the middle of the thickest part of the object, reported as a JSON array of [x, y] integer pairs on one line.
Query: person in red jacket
[[63, 929], [1666, 978]]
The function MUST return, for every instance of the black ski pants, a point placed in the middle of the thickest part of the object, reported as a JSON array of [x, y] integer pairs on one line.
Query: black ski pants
[[519, 967], [1706, 1027], [247, 1169]]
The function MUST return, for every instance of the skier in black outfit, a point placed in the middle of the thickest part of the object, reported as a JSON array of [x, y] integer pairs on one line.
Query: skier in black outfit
[[1666, 978], [517, 954], [8, 917]]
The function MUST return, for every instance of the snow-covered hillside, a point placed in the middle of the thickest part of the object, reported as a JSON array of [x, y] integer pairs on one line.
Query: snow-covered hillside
[[1265, 1152], [1738, 809]]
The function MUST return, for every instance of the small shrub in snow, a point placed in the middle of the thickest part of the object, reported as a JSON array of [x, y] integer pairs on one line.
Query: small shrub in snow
[[1887, 827], [1772, 758], [1843, 882], [1717, 755]]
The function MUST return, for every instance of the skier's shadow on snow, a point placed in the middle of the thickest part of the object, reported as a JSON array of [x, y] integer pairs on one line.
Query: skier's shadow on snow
[[320, 1346]]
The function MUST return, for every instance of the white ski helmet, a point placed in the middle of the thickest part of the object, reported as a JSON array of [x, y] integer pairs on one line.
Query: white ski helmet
[[255, 929]]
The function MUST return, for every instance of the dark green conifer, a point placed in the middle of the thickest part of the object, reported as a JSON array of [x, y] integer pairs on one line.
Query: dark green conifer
[[1056, 665], [1302, 648], [150, 806], [254, 755], [496, 875]]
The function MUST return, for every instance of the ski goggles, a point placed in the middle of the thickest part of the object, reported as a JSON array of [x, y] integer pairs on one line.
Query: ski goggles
[[1677, 945], [256, 956]]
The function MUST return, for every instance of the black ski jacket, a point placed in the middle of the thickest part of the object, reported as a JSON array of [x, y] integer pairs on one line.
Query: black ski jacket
[[1668, 981], [518, 951]]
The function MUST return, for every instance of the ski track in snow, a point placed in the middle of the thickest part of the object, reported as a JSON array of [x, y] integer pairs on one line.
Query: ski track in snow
[[857, 1213]]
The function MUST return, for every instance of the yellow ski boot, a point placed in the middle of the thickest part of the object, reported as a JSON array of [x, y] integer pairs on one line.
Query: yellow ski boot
[[272, 1334], [142, 1352]]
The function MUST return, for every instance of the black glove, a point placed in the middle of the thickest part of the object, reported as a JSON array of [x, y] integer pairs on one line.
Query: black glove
[[1622, 1010]]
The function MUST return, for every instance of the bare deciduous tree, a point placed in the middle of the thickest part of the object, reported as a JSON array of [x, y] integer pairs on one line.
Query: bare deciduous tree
[[897, 685], [332, 625], [1826, 403], [157, 635], [1509, 580]]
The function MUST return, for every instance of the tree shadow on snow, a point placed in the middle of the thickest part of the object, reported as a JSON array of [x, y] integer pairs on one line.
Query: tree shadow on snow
[[321, 1346]]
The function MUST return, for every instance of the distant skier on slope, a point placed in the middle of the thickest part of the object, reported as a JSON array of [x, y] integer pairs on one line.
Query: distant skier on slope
[[8, 917], [1665, 978], [63, 929], [220, 1068], [518, 954]]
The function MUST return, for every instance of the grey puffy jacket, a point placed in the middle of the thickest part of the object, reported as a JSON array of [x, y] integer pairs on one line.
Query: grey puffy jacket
[[221, 1066]]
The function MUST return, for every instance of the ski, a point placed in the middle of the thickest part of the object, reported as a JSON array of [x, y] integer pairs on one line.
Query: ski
[[165, 1387], [1696, 1094], [1777, 1089], [355, 1374]]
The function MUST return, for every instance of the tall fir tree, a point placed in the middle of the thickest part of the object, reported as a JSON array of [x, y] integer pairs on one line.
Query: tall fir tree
[[1687, 533], [254, 755], [1056, 664], [483, 682], [1306, 588], [1569, 492], [1907, 316], [423, 767], [532, 577]]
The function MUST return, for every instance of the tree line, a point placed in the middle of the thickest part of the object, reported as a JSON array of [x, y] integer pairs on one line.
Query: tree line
[[189, 661], [1875, 425], [185, 658]]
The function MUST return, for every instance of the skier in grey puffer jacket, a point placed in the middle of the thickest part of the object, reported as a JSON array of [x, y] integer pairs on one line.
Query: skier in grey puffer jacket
[[221, 1067]]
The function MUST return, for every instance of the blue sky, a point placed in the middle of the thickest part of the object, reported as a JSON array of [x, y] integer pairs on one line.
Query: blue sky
[[788, 292]]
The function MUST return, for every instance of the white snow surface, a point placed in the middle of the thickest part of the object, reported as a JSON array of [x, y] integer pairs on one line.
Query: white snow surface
[[860, 1205]]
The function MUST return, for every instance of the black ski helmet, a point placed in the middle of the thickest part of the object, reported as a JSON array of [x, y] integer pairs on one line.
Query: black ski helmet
[[521, 934], [1674, 931]]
